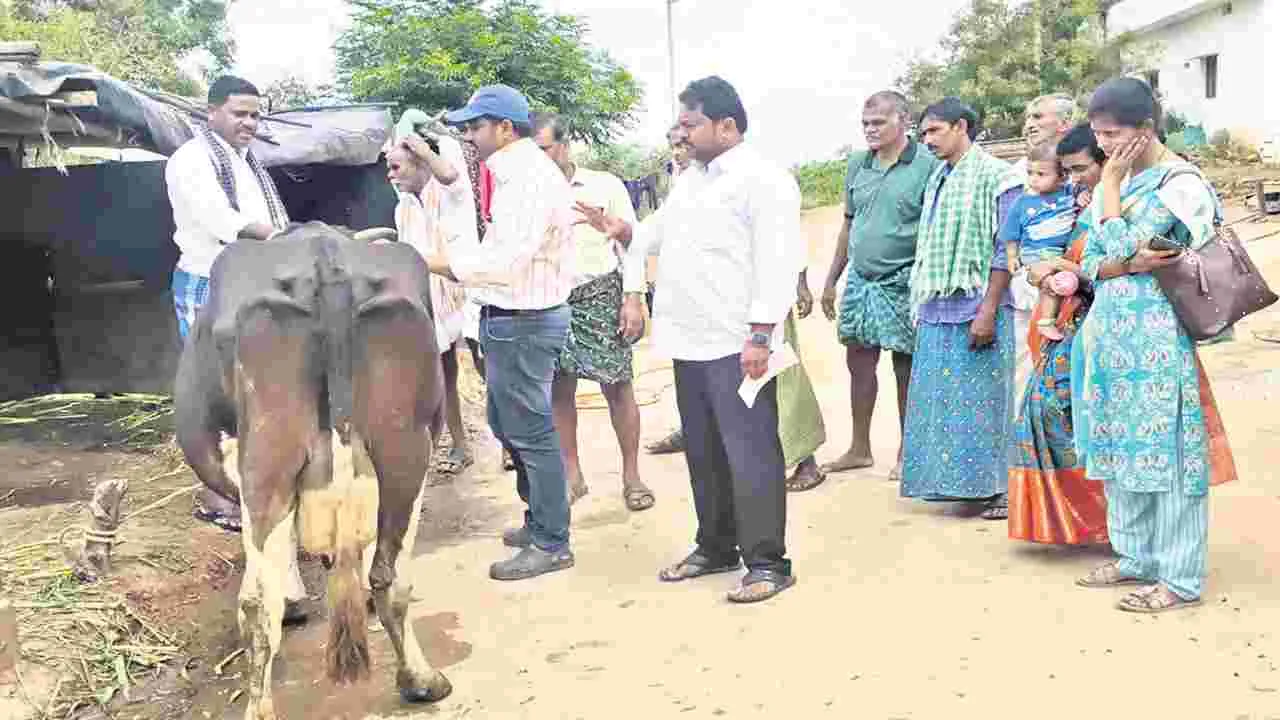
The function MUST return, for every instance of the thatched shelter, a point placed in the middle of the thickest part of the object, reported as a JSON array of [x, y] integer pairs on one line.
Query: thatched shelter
[[86, 252]]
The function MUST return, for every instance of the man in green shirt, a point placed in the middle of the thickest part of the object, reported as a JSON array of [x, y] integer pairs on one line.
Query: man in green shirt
[[884, 194]]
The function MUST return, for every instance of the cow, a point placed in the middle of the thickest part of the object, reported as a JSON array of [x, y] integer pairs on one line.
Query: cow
[[315, 356]]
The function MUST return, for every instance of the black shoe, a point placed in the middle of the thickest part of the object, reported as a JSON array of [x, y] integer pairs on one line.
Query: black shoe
[[531, 562], [517, 537]]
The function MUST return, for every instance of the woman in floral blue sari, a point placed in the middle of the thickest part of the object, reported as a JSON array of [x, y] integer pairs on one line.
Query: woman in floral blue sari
[[1143, 430]]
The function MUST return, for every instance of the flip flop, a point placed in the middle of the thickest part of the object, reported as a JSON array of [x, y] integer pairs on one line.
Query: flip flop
[[776, 581], [695, 566], [673, 443], [997, 508], [638, 499], [217, 519], [794, 484]]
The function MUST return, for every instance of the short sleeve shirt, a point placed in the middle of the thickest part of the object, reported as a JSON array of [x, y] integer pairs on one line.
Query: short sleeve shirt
[[883, 206], [1041, 222]]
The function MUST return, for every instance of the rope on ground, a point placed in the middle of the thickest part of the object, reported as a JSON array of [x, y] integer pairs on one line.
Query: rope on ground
[[596, 400]]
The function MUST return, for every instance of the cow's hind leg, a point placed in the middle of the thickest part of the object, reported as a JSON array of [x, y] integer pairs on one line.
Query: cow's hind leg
[[392, 583], [276, 407], [398, 390], [268, 547]]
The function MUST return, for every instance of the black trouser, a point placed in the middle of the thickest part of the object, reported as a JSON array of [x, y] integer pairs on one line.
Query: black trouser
[[735, 464]]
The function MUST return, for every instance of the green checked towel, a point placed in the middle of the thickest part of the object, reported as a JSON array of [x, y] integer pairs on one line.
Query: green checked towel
[[957, 231]]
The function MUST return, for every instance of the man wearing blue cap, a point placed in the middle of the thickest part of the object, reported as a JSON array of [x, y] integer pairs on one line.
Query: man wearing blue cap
[[522, 275]]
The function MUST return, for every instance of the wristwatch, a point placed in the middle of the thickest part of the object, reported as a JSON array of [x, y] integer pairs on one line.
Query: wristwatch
[[761, 339]]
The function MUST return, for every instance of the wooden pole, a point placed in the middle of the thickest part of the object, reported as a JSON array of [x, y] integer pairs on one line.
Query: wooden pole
[[104, 511]]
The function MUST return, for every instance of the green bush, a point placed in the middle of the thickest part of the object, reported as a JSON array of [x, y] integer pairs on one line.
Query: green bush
[[821, 183]]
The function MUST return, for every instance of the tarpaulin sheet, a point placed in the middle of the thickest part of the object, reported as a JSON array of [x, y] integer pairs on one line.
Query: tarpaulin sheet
[[146, 123], [347, 136]]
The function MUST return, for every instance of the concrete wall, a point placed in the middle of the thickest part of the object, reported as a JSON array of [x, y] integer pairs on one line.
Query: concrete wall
[[1247, 42]]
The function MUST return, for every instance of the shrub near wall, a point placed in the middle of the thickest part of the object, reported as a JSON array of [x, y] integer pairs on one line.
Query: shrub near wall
[[821, 183]]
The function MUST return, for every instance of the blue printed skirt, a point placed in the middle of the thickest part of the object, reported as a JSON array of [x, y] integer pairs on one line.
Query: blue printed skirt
[[958, 434]]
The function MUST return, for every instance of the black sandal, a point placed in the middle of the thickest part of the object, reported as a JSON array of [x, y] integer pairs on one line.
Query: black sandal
[[673, 443], [217, 519], [695, 566], [776, 581], [997, 508]]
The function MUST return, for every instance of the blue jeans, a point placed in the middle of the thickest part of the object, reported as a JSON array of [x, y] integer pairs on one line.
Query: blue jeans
[[520, 354]]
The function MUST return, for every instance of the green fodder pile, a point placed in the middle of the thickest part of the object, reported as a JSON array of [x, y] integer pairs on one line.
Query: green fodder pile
[[122, 421], [87, 633]]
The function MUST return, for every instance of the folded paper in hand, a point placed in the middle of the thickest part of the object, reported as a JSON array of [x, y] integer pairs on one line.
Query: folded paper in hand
[[779, 360]]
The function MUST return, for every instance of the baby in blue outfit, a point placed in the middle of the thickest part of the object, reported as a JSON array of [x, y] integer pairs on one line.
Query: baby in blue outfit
[[1040, 225]]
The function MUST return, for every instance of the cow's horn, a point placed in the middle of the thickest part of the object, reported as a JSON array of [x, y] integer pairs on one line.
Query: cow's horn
[[376, 234]]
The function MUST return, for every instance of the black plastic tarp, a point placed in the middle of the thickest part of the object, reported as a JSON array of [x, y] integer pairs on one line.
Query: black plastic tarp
[[345, 136]]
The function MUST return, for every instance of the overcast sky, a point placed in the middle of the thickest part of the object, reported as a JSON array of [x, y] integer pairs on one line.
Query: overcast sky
[[802, 67]]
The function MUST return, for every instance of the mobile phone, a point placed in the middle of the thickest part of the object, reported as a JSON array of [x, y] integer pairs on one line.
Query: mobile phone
[[1164, 244]]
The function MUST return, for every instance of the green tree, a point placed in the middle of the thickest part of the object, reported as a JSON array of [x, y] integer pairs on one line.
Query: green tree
[[433, 54], [999, 55], [139, 41], [628, 161], [293, 92]]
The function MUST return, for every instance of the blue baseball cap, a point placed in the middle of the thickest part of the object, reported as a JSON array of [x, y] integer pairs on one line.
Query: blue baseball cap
[[496, 101]]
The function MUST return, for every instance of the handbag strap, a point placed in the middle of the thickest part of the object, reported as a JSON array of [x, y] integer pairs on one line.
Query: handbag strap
[[1218, 219]]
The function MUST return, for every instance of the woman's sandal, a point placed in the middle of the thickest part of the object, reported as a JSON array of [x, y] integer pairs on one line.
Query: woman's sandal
[[1154, 600], [997, 508], [1106, 576], [695, 566], [760, 585]]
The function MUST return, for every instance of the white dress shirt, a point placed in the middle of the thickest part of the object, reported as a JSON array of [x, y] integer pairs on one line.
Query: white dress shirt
[[730, 249], [596, 254], [202, 215], [526, 261]]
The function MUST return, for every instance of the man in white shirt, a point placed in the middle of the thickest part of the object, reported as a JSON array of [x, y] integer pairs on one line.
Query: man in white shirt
[[607, 317], [437, 211], [522, 275], [730, 252], [219, 194]]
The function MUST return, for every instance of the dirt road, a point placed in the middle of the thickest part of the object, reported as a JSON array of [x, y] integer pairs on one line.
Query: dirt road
[[903, 610]]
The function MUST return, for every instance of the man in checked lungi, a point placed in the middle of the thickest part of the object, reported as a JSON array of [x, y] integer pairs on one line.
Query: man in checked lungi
[[883, 196], [220, 193], [607, 318]]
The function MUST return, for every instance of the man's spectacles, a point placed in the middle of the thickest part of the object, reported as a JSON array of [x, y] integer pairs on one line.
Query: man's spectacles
[[476, 124]]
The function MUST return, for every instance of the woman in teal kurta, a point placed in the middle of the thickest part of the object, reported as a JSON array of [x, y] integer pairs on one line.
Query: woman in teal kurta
[[1143, 426]]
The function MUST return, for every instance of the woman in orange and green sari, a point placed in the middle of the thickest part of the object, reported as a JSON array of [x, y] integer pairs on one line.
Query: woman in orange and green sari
[[1050, 499]]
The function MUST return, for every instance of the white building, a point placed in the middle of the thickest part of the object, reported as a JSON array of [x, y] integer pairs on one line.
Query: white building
[[1219, 60]]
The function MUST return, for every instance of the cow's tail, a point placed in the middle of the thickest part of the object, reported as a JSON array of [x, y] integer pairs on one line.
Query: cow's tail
[[347, 653], [348, 648]]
